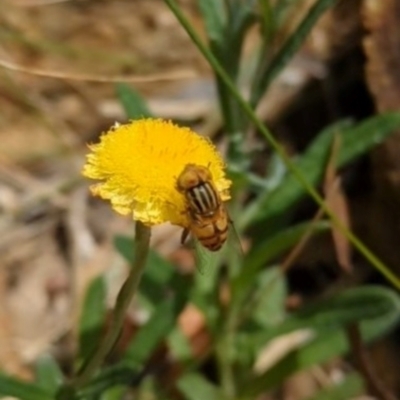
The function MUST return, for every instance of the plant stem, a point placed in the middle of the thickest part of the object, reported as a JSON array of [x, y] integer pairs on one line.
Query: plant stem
[[246, 107], [224, 358], [125, 295]]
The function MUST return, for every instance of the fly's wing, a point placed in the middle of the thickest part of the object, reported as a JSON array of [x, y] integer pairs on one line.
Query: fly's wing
[[205, 259], [232, 250], [207, 263]]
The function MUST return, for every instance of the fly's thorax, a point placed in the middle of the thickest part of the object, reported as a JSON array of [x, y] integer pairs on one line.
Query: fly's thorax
[[203, 199], [192, 176]]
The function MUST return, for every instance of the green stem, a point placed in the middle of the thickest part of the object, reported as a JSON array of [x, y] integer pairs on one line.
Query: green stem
[[223, 353], [124, 298], [369, 255]]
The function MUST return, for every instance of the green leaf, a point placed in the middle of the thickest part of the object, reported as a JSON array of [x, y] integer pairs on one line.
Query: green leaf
[[215, 19], [354, 141], [154, 331], [179, 345], [242, 17], [92, 318], [196, 387], [267, 19], [114, 393], [330, 340], [311, 164], [110, 377], [364, 136], [48, 374], [134, 105], [271, 293], [289, 49], [351, 387], [10, 386]]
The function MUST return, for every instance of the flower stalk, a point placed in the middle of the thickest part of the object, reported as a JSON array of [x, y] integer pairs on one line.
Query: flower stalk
[[291, 166], [124, 298]]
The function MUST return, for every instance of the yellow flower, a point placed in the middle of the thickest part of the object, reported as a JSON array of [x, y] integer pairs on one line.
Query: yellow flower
[[138, 164]]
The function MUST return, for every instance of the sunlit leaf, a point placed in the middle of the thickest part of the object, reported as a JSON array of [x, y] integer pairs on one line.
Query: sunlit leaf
[[14, 387], [215, 18], [134, 105], [92, 317], [151, 334], [48, 374], [196, 387], [350, 387]]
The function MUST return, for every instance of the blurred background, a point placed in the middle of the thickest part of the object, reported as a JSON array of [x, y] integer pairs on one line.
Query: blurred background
[[59, 62]]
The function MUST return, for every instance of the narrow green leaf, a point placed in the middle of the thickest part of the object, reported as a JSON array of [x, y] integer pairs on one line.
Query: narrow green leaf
[[271, 293], [367, 134], [242, 17], [354, 141], [196, 387], [311, 164], [215, 18], [134, 105], [109, 377], [10, 386], [267, 19], [351, 387], [92, 318], [48, 374], [154, 331], [289, 49], [257, 184]]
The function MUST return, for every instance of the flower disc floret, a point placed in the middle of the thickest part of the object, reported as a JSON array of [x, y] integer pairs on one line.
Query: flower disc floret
[[137, 165]]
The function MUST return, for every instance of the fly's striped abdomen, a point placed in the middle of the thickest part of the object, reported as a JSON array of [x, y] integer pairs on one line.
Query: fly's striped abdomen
[[211, 231], [203, 199]]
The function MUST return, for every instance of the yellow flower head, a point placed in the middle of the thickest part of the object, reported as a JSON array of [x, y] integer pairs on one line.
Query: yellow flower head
[[138, 164]]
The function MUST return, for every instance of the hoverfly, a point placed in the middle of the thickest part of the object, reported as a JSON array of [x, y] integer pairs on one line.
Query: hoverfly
[[210, 224]]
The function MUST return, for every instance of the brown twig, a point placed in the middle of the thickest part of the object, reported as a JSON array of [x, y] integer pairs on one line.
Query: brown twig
[[375, 386], [336, 200], [36, 3], [166, 76]]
